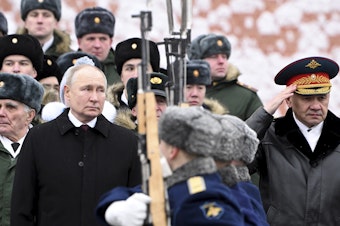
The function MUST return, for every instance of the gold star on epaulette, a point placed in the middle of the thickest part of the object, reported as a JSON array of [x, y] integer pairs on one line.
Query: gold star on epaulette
[[212, 210], [313, 64], [156, 80]]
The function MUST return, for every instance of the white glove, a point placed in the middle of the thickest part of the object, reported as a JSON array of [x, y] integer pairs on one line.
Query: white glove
[[130, 212]]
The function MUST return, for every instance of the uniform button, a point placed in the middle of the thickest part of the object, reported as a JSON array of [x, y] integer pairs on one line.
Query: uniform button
[[81, 164]]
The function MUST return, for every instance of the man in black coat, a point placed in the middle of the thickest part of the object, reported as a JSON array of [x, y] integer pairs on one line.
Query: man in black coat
[[64, 169]]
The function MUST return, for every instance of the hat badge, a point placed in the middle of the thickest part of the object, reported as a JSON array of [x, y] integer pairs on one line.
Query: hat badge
[[134, 46], [313, 64], [14, 40], [41, 1], [219, 42], [156, 80], [96, 20], [74, 61], [196, 73], [2, 83], [49, 62]]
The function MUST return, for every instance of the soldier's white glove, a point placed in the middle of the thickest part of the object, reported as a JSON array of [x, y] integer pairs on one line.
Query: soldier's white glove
[[130, 212]]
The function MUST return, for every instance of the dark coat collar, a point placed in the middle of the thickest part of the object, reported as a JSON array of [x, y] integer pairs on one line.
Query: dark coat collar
[[64, 124]]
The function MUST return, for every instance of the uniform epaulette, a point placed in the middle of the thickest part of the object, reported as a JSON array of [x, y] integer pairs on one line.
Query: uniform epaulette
[[196, 185], [246, 86]]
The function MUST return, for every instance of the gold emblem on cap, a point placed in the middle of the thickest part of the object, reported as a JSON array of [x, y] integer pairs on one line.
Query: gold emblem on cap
[[219, 42], [96, 20], [313, 64], [156, 80], [2, 83], [74, 61], [40, 1], [134, 46], [196, 73], [14, 40], [49, 62]]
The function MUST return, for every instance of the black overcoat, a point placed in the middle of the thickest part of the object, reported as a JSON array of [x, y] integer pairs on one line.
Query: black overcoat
[[62, 171]]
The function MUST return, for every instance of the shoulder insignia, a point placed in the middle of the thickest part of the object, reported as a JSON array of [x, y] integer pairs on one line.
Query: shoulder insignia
[[212, 210], [246, 86], [196, 185]]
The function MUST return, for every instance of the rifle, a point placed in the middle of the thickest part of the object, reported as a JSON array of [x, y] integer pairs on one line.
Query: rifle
[[149, 153], [176, 48]]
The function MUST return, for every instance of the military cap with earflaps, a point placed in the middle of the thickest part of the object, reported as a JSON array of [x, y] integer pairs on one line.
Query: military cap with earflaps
[[192, 129], [198, 72], [94, 20], [22, 88], [132, 48], [158, 82], [50, 69], [52, 5], [69, 59], [311, 75], [3, 24], [207, 45], [237, 141], [25, 45]]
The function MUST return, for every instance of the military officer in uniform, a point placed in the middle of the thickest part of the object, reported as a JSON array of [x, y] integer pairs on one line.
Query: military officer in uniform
[[239, 99]]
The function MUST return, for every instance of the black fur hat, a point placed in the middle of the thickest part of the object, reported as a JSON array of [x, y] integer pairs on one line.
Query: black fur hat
[[50, 69], [132, 48], [94, 20], [158, 82], [206, 45], [67, 60], [25, 45], [3, 24], [198, 72], [52, 5], [22, 88]]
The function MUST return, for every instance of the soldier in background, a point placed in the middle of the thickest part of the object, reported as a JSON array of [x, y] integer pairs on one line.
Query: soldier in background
[[41, 21], [21, 54], [94, 29], [3, 25], [239, 99]]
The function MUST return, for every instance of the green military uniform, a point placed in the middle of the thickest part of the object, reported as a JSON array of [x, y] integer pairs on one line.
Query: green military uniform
[[7, 171], [109, 69]]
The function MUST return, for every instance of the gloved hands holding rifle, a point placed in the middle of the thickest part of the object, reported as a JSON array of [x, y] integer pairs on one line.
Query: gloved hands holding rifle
[[129, 212]]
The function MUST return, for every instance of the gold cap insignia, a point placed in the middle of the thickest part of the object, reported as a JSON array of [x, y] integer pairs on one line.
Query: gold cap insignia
[[196, 185], [41, 1], [74, 61], [96, 20], [212, 210], [156, 80], [14, 40], [2, 83], [196, 73], [49, 62], [134, 46], [219, 43], [313, 64]]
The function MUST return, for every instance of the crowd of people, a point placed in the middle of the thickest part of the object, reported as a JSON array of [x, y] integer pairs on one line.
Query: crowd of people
[[70, 148]]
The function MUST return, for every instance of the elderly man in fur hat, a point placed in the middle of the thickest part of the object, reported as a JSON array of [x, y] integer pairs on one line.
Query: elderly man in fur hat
[[197, 196], [20, 100], [21, 54], [41, 19]]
